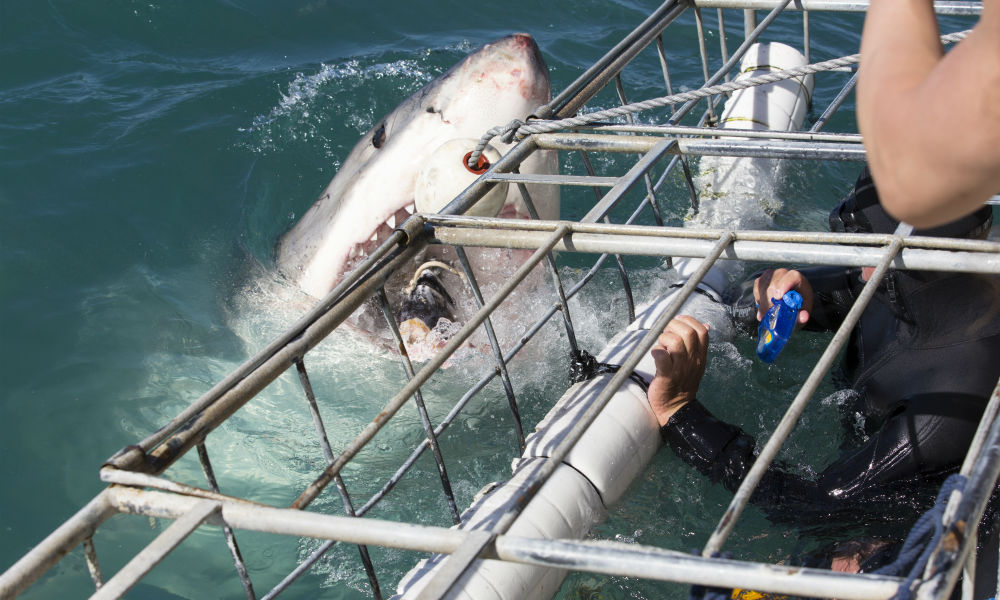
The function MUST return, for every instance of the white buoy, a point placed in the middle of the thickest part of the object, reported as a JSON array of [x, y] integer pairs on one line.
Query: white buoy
[[778, 106], [446, 174]]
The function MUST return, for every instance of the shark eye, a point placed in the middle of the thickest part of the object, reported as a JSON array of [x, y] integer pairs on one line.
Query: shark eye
[[378, 139]]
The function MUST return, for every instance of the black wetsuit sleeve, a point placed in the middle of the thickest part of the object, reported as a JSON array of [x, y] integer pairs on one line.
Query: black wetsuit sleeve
[[913, 450], [720, 451], [724, 453], [834, 291]]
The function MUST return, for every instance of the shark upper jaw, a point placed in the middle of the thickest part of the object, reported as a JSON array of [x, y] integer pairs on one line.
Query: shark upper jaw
[[373, 192]]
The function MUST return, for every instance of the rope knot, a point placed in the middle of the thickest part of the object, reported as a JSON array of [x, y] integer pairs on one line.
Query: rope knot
[[583, 366], [510, 131], [506, 133]]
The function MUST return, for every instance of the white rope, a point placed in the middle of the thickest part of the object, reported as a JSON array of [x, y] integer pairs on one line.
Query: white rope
[[519, 129], [431, 264]]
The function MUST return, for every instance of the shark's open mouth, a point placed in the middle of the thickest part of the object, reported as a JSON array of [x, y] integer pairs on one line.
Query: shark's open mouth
[[359, 251], [414, 159]]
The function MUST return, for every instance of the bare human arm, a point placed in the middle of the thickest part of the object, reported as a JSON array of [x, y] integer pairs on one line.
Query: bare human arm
[[930, 120]]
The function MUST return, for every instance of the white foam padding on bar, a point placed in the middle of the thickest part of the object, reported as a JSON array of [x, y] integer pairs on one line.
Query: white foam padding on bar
[[567, 506], [617, 446], [612, 452]]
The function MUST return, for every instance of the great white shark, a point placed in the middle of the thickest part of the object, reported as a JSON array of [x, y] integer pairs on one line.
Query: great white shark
[[395, 170]]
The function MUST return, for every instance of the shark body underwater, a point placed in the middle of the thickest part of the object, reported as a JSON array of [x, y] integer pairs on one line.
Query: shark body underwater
[[389, 175]]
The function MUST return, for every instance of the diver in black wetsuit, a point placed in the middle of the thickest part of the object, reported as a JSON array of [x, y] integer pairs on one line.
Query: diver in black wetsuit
[[923, 359]]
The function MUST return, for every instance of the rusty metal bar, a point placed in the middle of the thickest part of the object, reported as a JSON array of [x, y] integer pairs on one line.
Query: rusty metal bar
[[150, 556], [254, 375], [81, 526], [93, 565], [227, 531]]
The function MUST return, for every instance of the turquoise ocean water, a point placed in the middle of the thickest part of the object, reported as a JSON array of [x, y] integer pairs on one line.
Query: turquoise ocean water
[[150, 155]]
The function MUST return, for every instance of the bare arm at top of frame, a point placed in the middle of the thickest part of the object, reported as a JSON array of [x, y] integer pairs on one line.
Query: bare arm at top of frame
[[930, 120]]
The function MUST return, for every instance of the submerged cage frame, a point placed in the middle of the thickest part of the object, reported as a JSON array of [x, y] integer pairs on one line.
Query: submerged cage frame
[[135, 474]]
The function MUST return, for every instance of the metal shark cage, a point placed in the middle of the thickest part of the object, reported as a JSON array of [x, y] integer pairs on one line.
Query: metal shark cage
[[138, 475]]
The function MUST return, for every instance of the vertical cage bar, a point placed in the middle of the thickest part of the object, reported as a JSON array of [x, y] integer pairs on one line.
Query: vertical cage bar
[[722, 39], [650, 190], [93, 566], [345, 498], [463, 257], [227, 531], [661, 51], [749, 22], [623, 274], [703, 50], [418, 399], [806, 43], [556, 281]]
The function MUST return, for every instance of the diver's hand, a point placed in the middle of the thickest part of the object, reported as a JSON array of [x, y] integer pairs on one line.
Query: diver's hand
[[680, 355], [775, 283]]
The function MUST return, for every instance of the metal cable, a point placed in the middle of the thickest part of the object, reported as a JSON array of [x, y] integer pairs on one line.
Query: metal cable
[[519, 129]]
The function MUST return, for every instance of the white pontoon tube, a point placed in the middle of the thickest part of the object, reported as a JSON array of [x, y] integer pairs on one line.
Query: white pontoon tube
[[619, 444]]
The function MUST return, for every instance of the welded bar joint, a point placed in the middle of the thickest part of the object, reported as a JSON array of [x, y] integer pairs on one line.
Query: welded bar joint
[[150, 556]]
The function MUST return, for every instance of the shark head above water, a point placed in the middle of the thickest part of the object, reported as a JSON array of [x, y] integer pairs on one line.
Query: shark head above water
[[374, 190]]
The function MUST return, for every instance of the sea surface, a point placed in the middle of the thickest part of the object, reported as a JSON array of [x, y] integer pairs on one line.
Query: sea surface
[[152, 152]]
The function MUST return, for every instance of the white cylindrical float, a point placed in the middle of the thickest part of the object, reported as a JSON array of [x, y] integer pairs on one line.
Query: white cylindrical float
[[446, 174], [779, 106], [739, 192]]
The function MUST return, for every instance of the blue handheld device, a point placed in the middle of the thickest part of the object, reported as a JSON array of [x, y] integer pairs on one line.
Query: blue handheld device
[[777, 325]]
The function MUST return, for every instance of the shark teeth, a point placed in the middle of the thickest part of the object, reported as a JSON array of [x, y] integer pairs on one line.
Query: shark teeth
[[383, 231]]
